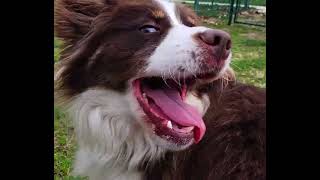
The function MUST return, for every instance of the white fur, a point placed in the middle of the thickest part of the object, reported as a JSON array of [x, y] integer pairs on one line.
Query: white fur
[[200, 103], [174, 52], [111, 141]]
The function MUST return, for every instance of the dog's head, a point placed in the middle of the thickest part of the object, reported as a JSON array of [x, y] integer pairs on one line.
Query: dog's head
[[152, 50]]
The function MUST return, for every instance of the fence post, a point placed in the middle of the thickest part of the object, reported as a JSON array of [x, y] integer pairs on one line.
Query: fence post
[[246, 6], [238, 5], [196, 5], [231, 12], [212, 1]]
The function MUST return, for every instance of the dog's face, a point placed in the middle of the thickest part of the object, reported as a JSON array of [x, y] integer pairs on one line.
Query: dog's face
[[151, 50]]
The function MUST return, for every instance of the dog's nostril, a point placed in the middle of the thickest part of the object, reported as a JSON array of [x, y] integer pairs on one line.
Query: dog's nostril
[[228, 46], [216, 40]]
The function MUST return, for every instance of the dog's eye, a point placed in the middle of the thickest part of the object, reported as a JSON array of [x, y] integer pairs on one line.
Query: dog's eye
[[149, 29]]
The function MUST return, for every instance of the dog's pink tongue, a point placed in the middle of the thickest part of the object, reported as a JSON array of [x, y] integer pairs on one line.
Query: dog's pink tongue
[[170, 102]]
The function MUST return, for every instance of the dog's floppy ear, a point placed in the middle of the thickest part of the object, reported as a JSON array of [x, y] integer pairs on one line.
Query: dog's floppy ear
[[73, 18]]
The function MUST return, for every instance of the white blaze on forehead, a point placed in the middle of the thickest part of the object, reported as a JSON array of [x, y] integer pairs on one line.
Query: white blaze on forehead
[[170, 9]]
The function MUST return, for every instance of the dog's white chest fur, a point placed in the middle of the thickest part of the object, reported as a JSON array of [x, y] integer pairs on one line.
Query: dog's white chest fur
[[111, 143]]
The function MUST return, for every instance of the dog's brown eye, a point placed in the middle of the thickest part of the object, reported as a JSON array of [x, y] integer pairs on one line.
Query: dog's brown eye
[[149, 29]]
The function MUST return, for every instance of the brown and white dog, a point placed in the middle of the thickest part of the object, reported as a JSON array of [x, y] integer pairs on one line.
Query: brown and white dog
[[135, 75]]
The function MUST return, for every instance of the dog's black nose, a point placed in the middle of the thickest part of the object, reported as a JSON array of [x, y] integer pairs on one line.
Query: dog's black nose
[[219, 40]]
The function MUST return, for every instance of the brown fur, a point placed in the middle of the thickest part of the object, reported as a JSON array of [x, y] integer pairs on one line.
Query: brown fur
[[234, 146], [187, 15], [104, 46]]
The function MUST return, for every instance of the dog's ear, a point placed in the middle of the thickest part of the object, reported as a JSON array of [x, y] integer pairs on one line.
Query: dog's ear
[[73, 18]]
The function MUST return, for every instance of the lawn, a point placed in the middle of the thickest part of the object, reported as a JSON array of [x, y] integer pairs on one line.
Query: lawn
[[249, 63]]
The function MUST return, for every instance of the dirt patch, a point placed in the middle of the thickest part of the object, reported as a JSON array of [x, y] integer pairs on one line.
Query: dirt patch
[[256, 16], [210, 20], [254, 12]]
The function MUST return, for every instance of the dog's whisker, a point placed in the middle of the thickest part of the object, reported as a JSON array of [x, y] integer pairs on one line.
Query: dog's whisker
[[164, 79], [179, 79], [189, 69], [172, 76]]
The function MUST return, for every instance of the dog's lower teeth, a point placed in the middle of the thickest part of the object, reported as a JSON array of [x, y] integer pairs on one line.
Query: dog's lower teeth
[[169, 124], [144, 95], [188, 128]]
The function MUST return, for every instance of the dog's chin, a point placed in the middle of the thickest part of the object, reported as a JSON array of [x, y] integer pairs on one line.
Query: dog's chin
[[225, 72], [169, 145]]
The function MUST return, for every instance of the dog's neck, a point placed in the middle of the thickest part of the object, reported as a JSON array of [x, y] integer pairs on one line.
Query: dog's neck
[[111, 142]]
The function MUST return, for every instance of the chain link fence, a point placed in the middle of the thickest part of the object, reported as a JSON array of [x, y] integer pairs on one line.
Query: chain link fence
[[250, 12]]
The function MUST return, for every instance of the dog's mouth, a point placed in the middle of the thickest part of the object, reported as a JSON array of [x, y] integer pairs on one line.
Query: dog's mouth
[[163, 102]]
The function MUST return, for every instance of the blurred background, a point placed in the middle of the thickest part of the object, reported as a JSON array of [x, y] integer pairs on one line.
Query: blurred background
[[245, 20]]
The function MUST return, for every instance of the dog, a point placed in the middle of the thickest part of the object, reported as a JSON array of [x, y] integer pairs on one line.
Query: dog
[[133, 75]]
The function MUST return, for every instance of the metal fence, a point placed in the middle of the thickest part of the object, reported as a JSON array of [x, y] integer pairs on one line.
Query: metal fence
[[242, 12], [250, 12]]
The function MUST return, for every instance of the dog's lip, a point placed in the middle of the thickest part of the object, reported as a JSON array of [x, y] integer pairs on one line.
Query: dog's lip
[[208, 73]]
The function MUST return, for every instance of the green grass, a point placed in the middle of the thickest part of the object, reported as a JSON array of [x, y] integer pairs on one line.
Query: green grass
[[249, 63], [63, 144], [249, 52], [57, 49], [258, 2]]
